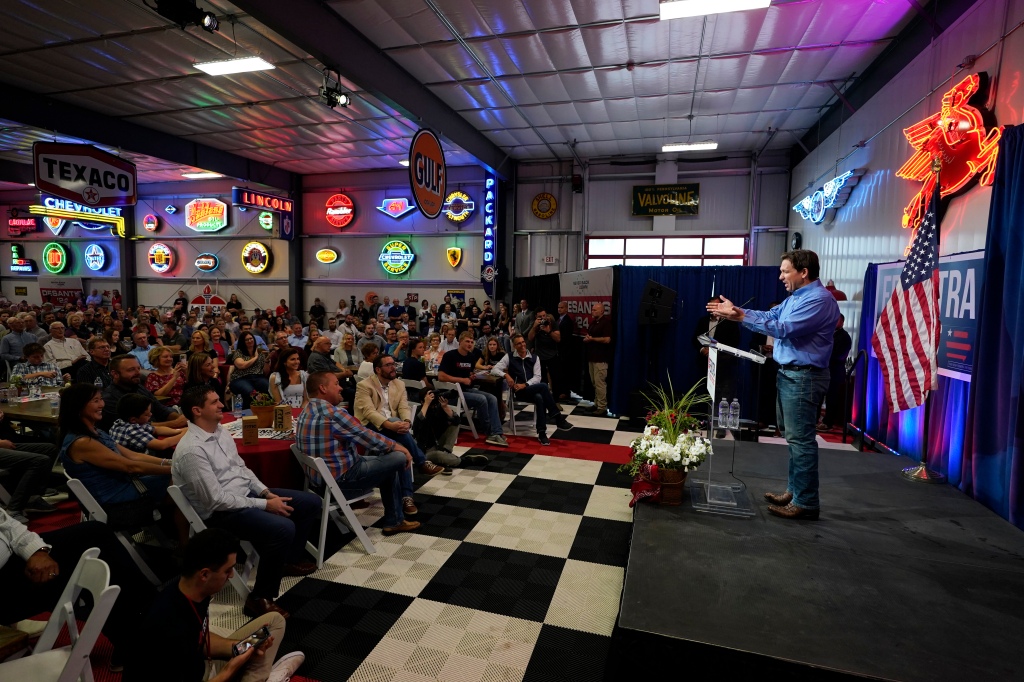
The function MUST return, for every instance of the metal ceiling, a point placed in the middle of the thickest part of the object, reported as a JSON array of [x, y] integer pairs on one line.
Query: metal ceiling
[[531, 75]]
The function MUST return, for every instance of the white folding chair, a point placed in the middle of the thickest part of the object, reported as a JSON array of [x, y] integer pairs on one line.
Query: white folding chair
[[510, 407], [334, 501], [462, 408], [240, 578], [69, 663], [92, 511], [410, 386]]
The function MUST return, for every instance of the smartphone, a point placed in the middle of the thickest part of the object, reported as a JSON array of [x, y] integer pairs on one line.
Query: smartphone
[[256, 639]]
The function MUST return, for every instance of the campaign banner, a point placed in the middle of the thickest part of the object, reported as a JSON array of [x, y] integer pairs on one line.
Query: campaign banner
[[580, 290], [960, 278], [60, 290]]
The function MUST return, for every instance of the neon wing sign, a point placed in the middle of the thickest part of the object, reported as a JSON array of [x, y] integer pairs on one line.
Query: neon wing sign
[[832, 195]]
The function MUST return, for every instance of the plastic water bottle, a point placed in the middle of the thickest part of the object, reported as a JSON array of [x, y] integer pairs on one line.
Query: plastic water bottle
[[734, 414], [236, 406], [54, 403], [723, 413], [98, 383]]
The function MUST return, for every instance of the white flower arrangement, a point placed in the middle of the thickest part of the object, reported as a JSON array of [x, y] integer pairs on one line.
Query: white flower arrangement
[[687, 452]]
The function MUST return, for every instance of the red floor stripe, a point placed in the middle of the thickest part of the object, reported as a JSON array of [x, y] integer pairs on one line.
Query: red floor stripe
[[595, 452]]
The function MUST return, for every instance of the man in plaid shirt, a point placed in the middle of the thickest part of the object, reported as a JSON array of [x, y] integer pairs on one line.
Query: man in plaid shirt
[[325, 430]]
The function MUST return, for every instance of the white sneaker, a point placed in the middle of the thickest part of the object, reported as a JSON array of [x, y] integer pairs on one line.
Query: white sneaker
[[286, 667], [496, 439]]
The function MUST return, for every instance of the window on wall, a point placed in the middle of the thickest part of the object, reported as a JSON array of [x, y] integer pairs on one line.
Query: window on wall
[[678, 251]]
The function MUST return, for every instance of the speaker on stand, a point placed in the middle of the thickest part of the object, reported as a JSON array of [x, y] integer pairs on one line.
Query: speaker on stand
[[657, 308]]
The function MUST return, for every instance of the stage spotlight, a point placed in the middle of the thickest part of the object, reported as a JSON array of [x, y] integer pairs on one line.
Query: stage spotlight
[[186, 13], [334, 97]]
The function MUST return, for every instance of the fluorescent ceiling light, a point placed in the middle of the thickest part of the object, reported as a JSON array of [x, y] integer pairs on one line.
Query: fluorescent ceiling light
[[224, 67], [404, 162], [690, 147], [677, 9], [202, 175]]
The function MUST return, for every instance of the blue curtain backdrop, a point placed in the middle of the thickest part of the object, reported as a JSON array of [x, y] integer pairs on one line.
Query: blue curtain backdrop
[[670, 346], [993, 464]]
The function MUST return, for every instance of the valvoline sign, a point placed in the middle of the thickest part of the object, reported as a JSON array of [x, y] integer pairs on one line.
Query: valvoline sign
[[83, 173]]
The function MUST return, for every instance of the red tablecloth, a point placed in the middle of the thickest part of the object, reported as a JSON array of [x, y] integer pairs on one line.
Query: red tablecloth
[[271, 460]]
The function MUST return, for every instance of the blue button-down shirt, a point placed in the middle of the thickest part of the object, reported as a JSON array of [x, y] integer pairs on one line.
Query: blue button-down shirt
[[803, 326]]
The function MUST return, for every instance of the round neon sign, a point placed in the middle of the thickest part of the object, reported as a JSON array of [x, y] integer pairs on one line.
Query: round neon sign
[[340, 210], [161, 258], [95, 258], [55, 258], [255, 257], [396, 257]]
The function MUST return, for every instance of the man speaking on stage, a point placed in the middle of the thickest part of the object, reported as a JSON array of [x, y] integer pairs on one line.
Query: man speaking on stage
[[803, 328]]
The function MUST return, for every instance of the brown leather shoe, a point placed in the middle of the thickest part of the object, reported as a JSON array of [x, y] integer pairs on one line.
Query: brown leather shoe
[[409, 507], [405, 526], [779, 499], [430, 469], [359, 504], [791, 511], [300, 569], [258, 606]]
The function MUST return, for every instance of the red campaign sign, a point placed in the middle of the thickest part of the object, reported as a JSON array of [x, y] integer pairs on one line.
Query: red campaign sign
[[83, 173]]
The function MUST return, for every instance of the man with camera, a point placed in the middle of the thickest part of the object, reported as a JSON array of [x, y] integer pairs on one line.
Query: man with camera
[[437, 429], [543, 338], [185, 648]]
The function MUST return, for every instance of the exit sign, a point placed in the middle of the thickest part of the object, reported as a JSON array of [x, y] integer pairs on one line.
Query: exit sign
[[548, 260]]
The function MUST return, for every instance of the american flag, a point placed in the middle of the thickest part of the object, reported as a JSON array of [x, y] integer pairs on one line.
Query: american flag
[[907, 333]]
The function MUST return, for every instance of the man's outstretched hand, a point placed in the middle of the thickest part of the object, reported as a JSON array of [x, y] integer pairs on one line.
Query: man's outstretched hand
[[723, 309]]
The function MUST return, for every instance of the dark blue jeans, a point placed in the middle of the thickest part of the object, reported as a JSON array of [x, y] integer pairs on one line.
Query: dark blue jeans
[[244, 386], [540, 395], [386, 472], [277, 539], [409, 443], [799, 398]]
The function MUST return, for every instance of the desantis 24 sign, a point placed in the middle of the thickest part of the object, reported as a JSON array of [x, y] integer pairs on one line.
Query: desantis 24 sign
[[81, 172]]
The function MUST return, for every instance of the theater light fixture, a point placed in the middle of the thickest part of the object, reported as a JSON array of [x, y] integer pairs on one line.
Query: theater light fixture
[[186, 13], [332, 95], [202, 175], [705, 146], [224, 67], [677, 9]]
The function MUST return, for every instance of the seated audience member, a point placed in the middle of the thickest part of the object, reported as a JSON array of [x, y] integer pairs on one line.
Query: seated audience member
[[297, 338], [12, 345], [28, 467], [521, 370], [400, 349], [134, 430], [188, 650], [113, 474], [171, 338], [36, 371], [437, 429], [486, 334], [372, 336], [311, 339], [333, 333], [347, 355], [226, 494], [280, 346], [432, 357], [98, 366], [202, 371], [219, 343], [320, 359], [34, 570], [324, 430], [167, 380], [288, 383], [490, 356], [68, 354], [370, 352], [449, 342], [457, 368], [382, 405], [118, 345], [247, 375], [126, 378], [413, 367], [141, 350], [77, 329]]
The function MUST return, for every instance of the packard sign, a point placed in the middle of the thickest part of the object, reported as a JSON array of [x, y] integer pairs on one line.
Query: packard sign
[[654, 200], [206, 215], [207, 262], [81, 172]]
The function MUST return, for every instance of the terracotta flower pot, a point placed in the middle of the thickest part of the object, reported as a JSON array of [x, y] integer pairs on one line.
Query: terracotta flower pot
[[672, 482], [264, 415]]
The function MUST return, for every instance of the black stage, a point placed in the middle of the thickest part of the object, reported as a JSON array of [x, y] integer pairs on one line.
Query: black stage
[[897, 580]]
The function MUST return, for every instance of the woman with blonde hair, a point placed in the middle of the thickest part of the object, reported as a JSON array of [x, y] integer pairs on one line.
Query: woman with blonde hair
[[167, 380]]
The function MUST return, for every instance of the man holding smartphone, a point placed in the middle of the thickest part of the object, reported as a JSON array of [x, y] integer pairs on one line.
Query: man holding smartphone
[[176, 644]]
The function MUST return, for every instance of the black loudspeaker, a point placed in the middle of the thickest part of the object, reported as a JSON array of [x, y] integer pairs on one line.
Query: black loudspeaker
[[656, 304], [577, 184]]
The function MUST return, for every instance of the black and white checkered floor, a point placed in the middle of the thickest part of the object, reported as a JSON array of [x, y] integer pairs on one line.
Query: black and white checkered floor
[[515, 574]]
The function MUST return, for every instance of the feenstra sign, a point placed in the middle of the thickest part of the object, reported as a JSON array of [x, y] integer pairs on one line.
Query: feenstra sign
[[81, 172]]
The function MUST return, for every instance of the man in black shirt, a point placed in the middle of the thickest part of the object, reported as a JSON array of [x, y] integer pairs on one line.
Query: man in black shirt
[[834, 400], [127, 377], [97, 367], [177, 645], [317, 312], [457, 368]]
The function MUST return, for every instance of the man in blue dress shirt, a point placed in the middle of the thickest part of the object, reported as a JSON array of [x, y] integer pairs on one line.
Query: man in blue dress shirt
[[803, 328]]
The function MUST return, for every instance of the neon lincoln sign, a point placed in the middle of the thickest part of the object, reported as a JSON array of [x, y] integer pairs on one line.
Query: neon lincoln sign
[[958, 136]]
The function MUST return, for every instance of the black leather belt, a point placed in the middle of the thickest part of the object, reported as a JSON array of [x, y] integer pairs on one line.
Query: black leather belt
[[797, 368]]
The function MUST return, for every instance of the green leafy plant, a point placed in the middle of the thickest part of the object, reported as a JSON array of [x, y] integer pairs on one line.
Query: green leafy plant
[[671, 439], [261, 399]]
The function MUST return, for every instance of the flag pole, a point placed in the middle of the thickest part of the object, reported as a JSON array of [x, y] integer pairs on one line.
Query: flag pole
[[921, 473]]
